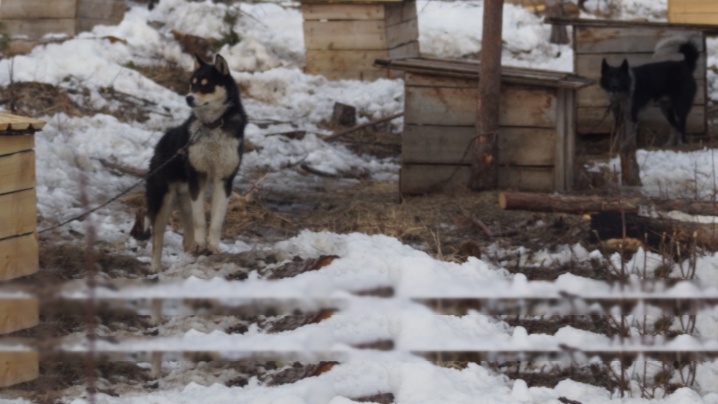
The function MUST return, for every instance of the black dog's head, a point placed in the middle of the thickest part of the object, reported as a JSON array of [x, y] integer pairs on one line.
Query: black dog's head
[[211, 85], [615, 80]]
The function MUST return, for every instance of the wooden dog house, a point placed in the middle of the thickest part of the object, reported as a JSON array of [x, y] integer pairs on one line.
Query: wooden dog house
[[594, 40], [18, 239], [343, 37], [693, 11], [35, 18], [536, 136]]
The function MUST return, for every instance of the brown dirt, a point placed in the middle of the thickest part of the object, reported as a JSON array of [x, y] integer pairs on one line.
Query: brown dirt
[[448, 226]]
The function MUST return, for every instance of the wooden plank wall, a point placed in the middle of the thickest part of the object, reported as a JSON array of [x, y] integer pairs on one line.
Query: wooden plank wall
[[635, 44], [18, 366], [693, 11], [18, 245], [36, 18], [439, 119], [342, 40]]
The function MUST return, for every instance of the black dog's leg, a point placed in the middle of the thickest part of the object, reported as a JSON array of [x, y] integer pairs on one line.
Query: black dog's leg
[[676, 135]]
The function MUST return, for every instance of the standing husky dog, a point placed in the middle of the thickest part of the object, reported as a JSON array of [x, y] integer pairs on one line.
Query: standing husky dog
[[206, 149], [669, 83]]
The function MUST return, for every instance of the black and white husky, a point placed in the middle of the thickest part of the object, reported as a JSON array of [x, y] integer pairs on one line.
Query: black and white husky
[[205, 150], [668, 83]]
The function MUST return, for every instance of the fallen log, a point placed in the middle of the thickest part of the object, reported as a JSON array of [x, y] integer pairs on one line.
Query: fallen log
[[588, 204], [659, 234]]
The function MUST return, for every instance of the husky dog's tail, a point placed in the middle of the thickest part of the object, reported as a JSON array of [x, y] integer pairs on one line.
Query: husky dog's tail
[[681, 45]]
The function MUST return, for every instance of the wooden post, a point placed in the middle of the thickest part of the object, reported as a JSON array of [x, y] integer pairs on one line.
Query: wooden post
[[559, 33], [484, 169]]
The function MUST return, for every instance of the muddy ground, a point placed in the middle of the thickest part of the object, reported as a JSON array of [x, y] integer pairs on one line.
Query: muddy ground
[[450, 226]]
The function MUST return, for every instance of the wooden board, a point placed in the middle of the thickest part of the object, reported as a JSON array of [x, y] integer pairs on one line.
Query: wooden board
[[625, 39], [391, 13], [18, 314], [694, 18], [400, 12], [325, 60], [469, 70], [356, 35], [693, 6], [520, 106], [428, 144], [103, 10], [349, 1], [36, 9], [346, 11], [10, 144], [415, 179], [589, 118], [19, 256], [362, 75], [18, 366], [37, 28], [17, 172], [18, 213]]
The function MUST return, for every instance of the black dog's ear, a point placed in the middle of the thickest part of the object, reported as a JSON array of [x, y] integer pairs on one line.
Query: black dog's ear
[[221, 65], [624, 66], [198, 62], [604, 66]]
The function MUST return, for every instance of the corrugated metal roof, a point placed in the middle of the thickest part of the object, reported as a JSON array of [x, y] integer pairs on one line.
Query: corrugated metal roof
[[464, 68], [10, 122]]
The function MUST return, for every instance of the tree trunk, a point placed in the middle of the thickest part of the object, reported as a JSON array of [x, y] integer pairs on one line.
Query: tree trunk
[[484, 169], [587, 204]]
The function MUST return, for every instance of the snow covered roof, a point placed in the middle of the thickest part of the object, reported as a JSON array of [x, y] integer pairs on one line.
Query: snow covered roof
[[9, 122], [465, 68]]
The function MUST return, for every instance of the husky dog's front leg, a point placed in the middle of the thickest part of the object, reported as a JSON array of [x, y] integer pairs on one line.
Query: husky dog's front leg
[[220, 200], [196, 192]]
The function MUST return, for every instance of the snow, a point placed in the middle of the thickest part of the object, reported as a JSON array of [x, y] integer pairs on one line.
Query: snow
[[279, 98]]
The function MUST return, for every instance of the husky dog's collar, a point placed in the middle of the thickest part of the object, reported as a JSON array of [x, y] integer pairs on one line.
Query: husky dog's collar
[[214, 124]]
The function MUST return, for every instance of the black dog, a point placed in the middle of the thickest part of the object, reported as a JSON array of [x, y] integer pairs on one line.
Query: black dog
[[205, 149], [669, 83]]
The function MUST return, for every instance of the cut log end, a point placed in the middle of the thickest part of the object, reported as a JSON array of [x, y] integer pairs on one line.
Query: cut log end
[[502, 200]]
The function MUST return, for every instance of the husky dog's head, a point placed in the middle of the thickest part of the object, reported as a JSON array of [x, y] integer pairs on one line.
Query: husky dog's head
[[211, 89], [615, 80]]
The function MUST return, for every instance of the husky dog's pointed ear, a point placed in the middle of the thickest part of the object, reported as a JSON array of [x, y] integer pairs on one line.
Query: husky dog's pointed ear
[[198, 62], [604, 66], [624, 66], [221, 65]]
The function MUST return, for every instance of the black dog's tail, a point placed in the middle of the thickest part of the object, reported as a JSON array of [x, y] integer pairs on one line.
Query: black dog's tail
[[690, 53], [679, 45]]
